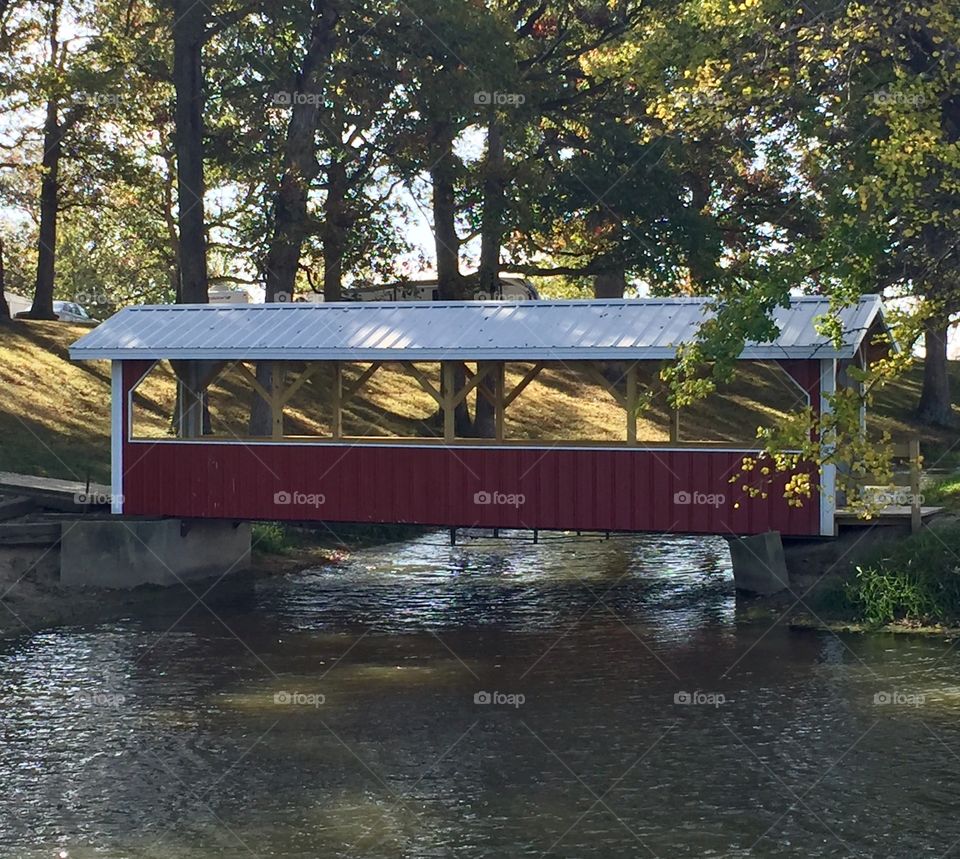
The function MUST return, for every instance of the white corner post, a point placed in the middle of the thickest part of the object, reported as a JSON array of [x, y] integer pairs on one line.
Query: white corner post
[[828, 472], [116, 436]]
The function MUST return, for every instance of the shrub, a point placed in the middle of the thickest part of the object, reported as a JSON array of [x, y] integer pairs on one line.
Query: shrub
[[915, 580], [271, 538]]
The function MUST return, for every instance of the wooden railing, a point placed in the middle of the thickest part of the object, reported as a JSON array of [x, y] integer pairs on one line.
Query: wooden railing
[[906, 480]]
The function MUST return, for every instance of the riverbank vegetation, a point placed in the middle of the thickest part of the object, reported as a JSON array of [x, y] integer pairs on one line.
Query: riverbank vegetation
[[909, 583], [945, 492], [280, 539]]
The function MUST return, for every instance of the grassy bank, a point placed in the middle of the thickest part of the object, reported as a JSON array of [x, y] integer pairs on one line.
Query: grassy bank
[[54, 416], [279, 539], [910, 583]]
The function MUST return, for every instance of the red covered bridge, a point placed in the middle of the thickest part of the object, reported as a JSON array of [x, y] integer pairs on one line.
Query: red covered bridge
[[445, 480]]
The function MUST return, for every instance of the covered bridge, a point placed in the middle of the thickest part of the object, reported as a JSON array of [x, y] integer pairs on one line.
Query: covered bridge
[[453, 349]]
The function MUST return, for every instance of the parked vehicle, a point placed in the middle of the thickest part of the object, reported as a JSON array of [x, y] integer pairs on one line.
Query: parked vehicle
[[67, 311], [17, 303], [70, 311]]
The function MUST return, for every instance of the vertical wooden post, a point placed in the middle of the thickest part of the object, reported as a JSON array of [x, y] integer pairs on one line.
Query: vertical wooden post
[[499, 388], [828, 471], [117, 408], [276, 399], [336, 405], [632, 404], [675, 413], [916, 517], [448, 393]]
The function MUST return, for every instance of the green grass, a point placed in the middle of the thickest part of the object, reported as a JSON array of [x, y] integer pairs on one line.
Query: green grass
[[915, 581], [944, 493]]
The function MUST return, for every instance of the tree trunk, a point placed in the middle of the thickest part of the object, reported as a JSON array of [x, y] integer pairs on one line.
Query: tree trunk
[[447, 243], [335, 226], [42, 307], [450, 284], [935, 405], [188, 37], [491, 219], [491, 237], [4, 307], [189, 25], [699, 262], [170, 222], [300, 168], [610, 284]]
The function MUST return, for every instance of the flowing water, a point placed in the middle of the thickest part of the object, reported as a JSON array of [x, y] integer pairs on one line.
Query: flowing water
[[341, 712]]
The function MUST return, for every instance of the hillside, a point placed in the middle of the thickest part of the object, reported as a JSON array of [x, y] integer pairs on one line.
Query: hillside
[[54, 414]]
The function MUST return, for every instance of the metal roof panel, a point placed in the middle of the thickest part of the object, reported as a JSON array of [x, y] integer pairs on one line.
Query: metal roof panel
[[634, 329]]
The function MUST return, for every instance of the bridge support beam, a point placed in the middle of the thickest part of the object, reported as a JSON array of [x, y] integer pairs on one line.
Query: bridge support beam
[[759, 564]]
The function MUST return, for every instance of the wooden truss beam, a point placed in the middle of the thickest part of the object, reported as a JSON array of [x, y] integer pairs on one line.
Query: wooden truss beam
[[425, 383], [473, 380], [594, 373], [350, 390], [530, 375], [247, 374], [299, 382]]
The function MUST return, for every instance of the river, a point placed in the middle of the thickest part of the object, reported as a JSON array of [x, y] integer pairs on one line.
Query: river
[[573, 698]]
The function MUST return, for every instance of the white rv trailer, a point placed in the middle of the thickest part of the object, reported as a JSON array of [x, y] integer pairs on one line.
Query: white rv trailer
[[512, 288]]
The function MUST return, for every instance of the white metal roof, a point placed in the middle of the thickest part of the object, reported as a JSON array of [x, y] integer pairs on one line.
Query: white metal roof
[[648, 328]]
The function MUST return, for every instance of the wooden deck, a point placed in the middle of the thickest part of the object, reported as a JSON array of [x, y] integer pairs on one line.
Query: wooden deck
[[12, 484], [22, 494], [892, 515]]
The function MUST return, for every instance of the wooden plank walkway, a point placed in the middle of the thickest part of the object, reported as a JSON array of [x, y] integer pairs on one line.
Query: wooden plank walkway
[[892, 515], [52, 489]]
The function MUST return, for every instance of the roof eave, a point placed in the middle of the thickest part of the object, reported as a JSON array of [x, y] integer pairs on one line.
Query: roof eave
[[758, 353]]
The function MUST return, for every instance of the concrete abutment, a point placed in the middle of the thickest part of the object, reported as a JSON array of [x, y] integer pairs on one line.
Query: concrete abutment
[[118, 553]]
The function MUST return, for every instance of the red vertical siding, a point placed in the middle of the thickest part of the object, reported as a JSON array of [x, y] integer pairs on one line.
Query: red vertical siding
[[582, 488]]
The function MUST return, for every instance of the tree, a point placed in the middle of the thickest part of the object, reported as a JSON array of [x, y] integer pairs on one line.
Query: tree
[[855, 108], [55, 130], [300, 168], [454, 52], [190, 32]]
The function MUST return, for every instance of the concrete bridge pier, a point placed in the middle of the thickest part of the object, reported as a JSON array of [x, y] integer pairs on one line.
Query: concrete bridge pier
[[127, 553], [759, 563], [767, 564]]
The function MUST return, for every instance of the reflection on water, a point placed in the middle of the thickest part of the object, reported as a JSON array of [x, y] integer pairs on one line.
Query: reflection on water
[[333, 713]]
